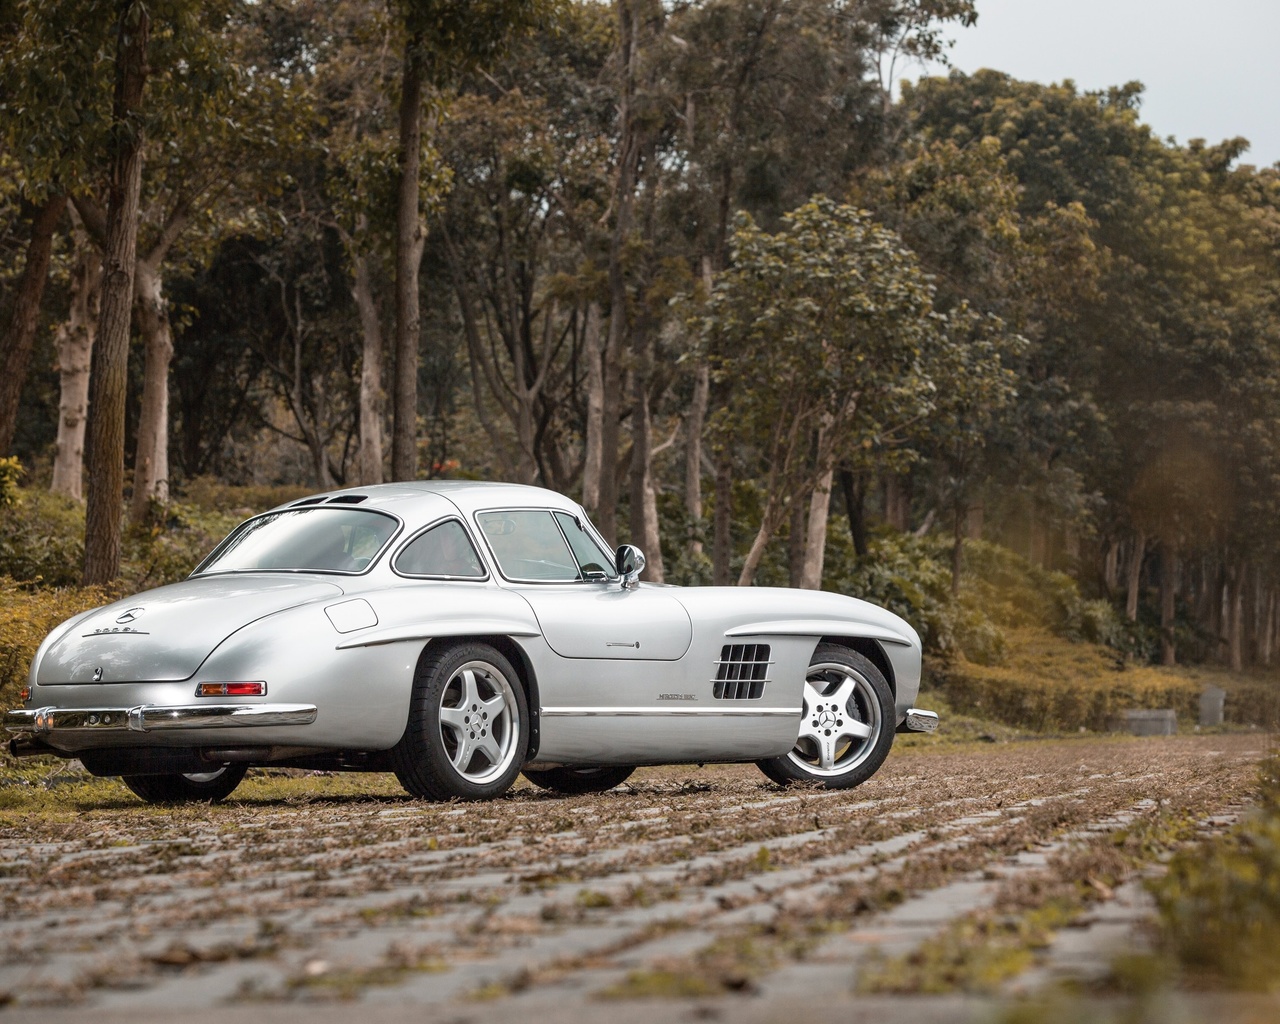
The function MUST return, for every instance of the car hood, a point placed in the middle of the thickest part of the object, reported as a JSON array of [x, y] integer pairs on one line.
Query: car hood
[[164, 635]]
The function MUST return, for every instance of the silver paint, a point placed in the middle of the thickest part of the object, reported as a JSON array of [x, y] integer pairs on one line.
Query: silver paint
[[606, 661]]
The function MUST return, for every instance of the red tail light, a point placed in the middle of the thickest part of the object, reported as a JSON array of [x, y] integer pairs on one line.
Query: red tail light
[[231, 690]]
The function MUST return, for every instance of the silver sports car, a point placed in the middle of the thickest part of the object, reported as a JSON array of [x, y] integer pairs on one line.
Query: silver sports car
[[458, 634]]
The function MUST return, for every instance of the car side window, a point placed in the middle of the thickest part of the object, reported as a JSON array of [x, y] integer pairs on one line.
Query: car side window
[[444, 550], [591, 558], [529, 546]]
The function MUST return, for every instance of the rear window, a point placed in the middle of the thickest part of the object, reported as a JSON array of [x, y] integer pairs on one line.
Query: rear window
[[316, 539], [444, 550]]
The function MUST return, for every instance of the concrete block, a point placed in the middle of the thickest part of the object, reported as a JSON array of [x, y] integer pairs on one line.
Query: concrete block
[[1148, 722], [1211, 702]]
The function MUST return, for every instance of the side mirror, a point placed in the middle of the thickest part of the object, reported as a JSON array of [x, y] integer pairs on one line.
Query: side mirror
[[629, 561]]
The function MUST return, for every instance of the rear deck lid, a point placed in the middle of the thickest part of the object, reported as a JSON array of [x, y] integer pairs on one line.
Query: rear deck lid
[[164, 635]]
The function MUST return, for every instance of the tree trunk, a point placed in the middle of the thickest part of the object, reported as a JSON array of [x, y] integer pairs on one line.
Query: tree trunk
[[957, 548], [151, 459], [592, 460], [1236, 588], [410, 238], [694, 424], [855, 496], [1168, 593], [109, 373], [897, 502], [1136, 557], [1267, 642], [816, 541], [371, 397], [756, 553], [1111, 568], [644, 511], [19, 339], [74, 343], [795, 545], [610, 428], [722, 527]]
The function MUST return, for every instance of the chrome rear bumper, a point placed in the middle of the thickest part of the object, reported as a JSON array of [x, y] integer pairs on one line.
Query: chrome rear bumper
[[919, 720], [156, 718]]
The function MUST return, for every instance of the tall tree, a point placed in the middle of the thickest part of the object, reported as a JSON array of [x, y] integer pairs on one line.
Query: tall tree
[[111, 347], [20, 334], [443, 39]]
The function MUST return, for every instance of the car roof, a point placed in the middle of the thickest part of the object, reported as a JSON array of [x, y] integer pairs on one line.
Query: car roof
[[418, 501]]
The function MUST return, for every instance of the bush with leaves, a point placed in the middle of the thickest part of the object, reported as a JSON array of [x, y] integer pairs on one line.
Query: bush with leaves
[[1219, 903], [26, 617]]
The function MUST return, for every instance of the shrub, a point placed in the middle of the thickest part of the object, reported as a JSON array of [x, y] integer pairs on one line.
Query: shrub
[[42, 539], [42, 542], [1219, 903], [26, 617], [1056, 685], [10, 473]]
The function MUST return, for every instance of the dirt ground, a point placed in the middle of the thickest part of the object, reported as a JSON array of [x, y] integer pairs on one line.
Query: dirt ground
[[686, 893]]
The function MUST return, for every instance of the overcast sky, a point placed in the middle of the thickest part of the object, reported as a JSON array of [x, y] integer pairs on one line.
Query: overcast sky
[[1211, 70]]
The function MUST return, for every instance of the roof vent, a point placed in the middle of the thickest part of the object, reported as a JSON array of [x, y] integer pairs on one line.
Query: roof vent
[[348, 499], [306, 501]]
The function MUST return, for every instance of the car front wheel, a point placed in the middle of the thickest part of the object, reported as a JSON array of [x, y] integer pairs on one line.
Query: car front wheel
[[847, 726], [468, 726], [201, 787]]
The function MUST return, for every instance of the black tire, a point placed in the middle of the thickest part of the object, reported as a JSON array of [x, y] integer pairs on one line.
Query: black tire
[[576, 781], [206, 787], [460, 747], [867, 706]]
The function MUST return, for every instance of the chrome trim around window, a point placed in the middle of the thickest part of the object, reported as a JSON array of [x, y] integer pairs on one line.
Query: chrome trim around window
[[550, 510], [157, 718], [390, 542], [446, 579]]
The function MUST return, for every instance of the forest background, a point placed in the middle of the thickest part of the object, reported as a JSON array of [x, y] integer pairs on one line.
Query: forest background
[[984, 350]]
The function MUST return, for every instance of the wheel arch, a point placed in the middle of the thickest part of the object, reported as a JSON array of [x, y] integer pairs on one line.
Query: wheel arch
[[515, 654], [872, 651]]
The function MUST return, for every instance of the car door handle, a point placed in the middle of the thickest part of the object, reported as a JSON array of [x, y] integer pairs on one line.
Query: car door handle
[[619, 643]]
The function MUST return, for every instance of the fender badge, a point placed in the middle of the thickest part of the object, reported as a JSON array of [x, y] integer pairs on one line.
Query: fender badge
[[677, 696], [129, 615], [97, 674]]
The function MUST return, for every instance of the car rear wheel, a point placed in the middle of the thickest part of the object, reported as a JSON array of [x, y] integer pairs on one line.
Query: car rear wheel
[[847, 726], [575, 781], [468, 726], [199, 787]]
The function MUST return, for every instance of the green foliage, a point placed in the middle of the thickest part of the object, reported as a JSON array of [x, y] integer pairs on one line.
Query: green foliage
[[1219, 903], [1050, 684], [1000, 590], [10, 473], [26, 617], [42, 539]]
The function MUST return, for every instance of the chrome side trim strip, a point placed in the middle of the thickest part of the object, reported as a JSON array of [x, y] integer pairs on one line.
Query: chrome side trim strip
[[705, 712], [158, 717]]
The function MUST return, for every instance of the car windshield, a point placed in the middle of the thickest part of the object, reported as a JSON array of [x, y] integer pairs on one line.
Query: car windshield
[[323, 539]]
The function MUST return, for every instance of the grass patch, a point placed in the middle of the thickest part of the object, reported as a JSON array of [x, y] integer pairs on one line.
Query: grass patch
[[1219, 903], [1048, 684], [730, 964]]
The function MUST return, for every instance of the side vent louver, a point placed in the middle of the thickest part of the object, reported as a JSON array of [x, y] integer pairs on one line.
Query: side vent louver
[[741, 672]]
